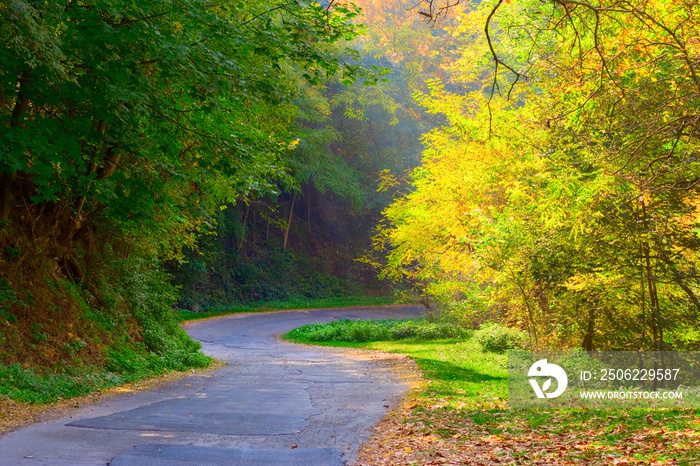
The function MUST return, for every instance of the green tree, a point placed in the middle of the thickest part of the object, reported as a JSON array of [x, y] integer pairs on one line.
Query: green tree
[[124, 128], [151, 115]]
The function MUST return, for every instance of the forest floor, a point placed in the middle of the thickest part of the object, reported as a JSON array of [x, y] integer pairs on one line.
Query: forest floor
[[459, 415]]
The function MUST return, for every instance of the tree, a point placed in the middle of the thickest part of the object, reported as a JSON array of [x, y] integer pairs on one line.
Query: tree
[[599, 237], [151, 115]]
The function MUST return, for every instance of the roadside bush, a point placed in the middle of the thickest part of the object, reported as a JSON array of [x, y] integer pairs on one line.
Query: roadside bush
[[439, 331], [347, 330], [27, 385], [423, 330], [376, 330], [404, 330], [498, 338]]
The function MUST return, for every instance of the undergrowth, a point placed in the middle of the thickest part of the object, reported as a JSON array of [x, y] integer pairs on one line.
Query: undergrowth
[[375, 330], [103, 321]]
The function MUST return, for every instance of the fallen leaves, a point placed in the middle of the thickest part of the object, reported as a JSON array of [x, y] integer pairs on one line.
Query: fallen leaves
[[412, 436]]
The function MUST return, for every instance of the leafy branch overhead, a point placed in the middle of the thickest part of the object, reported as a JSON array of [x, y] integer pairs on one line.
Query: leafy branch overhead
[[607, 47]]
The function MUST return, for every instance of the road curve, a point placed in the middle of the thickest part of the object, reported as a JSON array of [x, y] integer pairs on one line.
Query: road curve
[[274, 404]]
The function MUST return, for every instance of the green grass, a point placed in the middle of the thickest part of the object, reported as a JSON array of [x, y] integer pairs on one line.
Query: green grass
[[29, 386], [466, 389], [182, 315]]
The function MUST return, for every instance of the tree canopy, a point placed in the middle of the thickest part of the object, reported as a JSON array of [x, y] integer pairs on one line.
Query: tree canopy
[[562, 195], [151, 115]]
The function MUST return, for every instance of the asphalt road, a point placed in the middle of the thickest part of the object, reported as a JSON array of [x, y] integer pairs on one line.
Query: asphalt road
[[274, 404]]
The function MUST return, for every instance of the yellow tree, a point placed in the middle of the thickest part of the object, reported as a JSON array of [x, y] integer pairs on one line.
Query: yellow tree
[[597, 239]]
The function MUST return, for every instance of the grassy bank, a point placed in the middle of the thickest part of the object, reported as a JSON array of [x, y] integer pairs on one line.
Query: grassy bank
[[460, 416], [59, 341]]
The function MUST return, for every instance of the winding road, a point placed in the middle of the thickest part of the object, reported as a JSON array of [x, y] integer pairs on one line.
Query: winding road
[[275, 403]]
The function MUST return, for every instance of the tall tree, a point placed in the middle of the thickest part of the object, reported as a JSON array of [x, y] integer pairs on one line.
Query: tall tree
[[150, 115], [596, 241]]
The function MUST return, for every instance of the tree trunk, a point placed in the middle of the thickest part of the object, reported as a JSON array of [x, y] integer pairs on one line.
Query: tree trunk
[[642, 287], [78, 218], [22, 104], [245, 219], [425, 301], [308, 214], [590, 332], [7, 179], [678, 278], [656, 327], [110, 165], [255, 227], [532, 328], [285, 242]]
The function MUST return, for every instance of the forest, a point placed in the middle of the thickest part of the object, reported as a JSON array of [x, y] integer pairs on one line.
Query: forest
[[531, 163]]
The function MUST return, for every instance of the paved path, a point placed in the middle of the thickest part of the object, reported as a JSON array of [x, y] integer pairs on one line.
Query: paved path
[[274, 404]]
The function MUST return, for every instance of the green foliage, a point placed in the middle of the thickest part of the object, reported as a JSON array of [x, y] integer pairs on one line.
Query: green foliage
[[266, 273], [39, 336], [124, 128], [123, 365], [496, 338], [8, 297], [422, 330], [245, 262], [158, 88], [145, 290], [375, 330], [13, 253], [342, 330], [68, 342], [158, 115], [28, 386], [136, 364]]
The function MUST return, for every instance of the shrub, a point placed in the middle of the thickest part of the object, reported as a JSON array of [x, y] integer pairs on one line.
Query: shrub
[[358, 331], [497, 338], [404, 330], [376, 330], [422, 330]]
